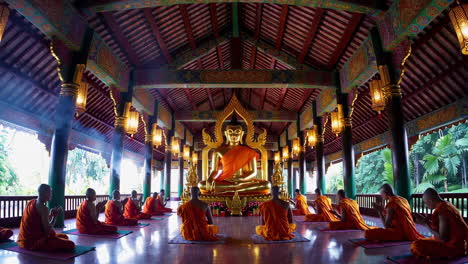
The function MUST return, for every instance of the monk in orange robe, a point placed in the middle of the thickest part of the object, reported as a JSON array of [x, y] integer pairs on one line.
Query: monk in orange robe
[[162, 204], [276, 218], [151, 205], [300, 202], [349, 215], [36, 228], [87, 216], [132, 208], [448, 227], [5, 233], [396, 217], [114, 214], [323, 209], [197, 223]]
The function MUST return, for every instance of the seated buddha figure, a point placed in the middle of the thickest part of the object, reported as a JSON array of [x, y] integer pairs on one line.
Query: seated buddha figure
[[234, 167]]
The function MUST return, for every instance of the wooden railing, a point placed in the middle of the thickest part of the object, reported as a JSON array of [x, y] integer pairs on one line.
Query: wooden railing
[[12, 207]]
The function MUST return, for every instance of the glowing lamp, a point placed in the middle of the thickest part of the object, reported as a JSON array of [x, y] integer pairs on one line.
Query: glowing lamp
[[81, 97], [296, 147], [157, 135], [186, 153], [194, 157], [277, 157], [312, 135], [459, 17], [175, 147], [377, 95], [285, 151], [337, 120]]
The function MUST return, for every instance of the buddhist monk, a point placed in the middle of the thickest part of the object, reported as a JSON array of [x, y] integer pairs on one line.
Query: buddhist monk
[[448, 227], [396, 218], [151, 205], [300, 202], [197, 223], [162, 203], [87, 216], [114, 212], [323, 207], [276, 218], [133, 207], [5, 234], [349, 215], [36, 228]]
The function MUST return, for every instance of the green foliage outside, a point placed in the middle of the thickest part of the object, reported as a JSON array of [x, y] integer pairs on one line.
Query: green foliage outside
[[334, 176], [8, 177]]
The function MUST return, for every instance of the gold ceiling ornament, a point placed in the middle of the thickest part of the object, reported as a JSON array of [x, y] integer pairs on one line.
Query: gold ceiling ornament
[[214, 142], [403, 63], [377, 95], [4, 13], [337, 120], [82, 97], [459, 17], [114, 103], [321, 138], [157, 135], [131, 119], [145, 129], [52, 51]]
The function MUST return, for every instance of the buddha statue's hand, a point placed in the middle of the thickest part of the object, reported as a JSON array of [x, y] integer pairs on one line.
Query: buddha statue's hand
[[210, 183]]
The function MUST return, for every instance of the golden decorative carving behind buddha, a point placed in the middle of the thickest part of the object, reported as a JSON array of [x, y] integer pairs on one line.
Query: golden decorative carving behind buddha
[[234, 165]]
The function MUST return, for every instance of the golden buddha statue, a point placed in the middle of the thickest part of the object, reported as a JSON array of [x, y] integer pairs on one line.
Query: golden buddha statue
[[234, 167]]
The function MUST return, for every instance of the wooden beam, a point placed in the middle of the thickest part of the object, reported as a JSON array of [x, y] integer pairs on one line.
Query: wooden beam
[[236, 41], [258, 20], [349, 32], [253, 57], [200, 64], [190, 99], [262, 100], [280, 101], [272, 63], [188, 26], [214, 19], [313, 29], [258, 116], [282, 25], [157, 34], [210, 98], [121, 39], [165, 96], [219, 53], [306, 96]]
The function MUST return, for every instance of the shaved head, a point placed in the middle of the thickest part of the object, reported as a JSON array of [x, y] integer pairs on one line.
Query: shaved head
[[318, 191], [155, 195], [134, 193], [275, 191], [116, 195], [386, 191], [43, 188], [341, 194], [195, 192], [91, 194], [431, 198], [44, 193]]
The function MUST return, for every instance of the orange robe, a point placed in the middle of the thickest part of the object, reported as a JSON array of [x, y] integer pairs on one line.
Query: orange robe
[[402, 226], [455, 247], [5, 233], [353, 219], [115, 217], [148, 207], [161, 207], [86, 225], [194, 223], [277, 226], [324, 204], [302, 208], [131, 211], [233, 160], [32, 237]]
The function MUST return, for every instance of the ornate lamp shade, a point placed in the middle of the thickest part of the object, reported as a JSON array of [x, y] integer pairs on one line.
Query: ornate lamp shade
[[337, 120], [377, 95], [132, 122], [459, 17], [296, 147], [186, 153], [194, 157], [312, 136], [157, 135], [175, 147], [277, 157], [4, 13], [81, 97], [285, 153]]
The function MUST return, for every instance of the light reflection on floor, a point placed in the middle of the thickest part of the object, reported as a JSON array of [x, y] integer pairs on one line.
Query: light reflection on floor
[[149, 245]]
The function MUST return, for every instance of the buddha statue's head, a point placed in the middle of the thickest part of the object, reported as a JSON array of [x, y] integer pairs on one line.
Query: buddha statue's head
[[234, 131]]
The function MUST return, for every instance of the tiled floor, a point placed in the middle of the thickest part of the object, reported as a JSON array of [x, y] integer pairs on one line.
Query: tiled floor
[[149, 245]]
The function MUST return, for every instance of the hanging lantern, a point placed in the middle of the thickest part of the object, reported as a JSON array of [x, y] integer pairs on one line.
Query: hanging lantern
[[296, 147], [459, 17], [132, 119], [277, 157], [157, 135], [194, 157], [81, 97], [285, 151], [312, 136], [186, 153], [337, 120], [175, 147], [4, 13], [377, 95]]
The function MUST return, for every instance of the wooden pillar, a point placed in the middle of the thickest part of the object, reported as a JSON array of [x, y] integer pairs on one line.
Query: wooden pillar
[[199, 169], [118, 138], [168, 159], [348, 149], [271, 164], [162, 174], [236, 41], [149, 152], [319, 150], [394, 107], [181, 166], [72, 65], [301, 160], [290, 171]]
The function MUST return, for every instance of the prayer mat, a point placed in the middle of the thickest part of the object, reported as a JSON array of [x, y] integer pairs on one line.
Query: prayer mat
[[308, 222], [64, 255], [410, 259], [118, 234], [324, 229], [140, 225], [362, 242], [260, 240], [180, 240]]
